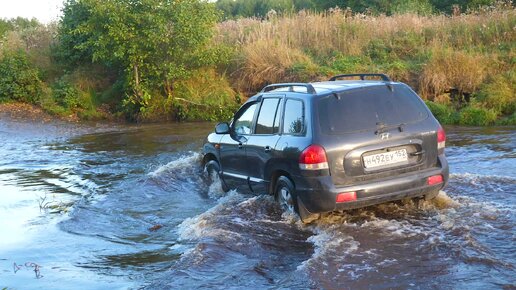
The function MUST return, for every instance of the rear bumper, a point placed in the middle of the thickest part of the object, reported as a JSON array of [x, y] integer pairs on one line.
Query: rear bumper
[[318, 194]]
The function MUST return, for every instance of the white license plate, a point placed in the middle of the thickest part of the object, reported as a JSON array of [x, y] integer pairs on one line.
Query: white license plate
[[388, 158]]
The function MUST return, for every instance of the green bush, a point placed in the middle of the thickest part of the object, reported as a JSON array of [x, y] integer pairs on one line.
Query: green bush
[[445, 114], [66, 95], [474, 116], [349, 64], [205, 96], [303, 71], [507, 121], [499, 94], [19, 80]]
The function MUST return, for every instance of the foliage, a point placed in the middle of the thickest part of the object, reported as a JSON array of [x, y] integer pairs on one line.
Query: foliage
[[463, 62], [445, 114], [499, 93], [475, 116], [65, 94], [70, 50], [154, 42], [206, 96], [260, 8], [152, 60], [19, 81], [269, 62], [457, 70], [507, 121]]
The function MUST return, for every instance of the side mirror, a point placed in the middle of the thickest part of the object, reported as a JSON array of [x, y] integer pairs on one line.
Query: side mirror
[[222, 128]]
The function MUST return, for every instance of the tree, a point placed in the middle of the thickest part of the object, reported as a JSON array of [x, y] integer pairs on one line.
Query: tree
[[154, 42]]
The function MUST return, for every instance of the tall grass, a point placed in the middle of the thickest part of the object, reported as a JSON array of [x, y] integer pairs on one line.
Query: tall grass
[[464, 63], [402, 44]]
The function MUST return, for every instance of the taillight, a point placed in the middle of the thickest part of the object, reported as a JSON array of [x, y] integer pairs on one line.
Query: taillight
[[346, 196], [313, 158], [441, 139], [433, 180]]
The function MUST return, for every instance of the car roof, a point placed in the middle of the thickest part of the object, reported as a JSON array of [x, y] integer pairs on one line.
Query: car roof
[[321, 88]]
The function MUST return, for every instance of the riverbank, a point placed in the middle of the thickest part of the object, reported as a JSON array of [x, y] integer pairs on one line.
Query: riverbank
[[462, 65], [28, 112]]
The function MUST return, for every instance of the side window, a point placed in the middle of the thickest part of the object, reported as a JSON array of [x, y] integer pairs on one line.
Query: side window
[[267, 119], [293, 118], [243, 124]]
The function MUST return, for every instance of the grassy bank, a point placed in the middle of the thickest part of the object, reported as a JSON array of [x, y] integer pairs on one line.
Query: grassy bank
[[464, 66]]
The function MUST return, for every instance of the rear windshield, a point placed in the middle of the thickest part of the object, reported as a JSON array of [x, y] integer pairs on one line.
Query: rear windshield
[[365, 108]]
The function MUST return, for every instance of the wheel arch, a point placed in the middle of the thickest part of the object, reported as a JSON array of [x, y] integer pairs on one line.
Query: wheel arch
[[274, 179], [209, 157]]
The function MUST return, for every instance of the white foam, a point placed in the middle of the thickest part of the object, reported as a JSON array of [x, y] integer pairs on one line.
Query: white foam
[[215, 190], [203, 225], [326, 241], [180, 163]]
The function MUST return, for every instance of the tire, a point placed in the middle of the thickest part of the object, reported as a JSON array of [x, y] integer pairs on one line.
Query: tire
[[212, 169], [285, 195]]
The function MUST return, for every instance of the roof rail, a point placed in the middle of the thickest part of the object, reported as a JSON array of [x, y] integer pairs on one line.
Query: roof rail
[[384, 77], [309, 88]]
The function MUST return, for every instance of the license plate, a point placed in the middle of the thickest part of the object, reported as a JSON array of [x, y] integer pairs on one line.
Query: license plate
[[387, 158]]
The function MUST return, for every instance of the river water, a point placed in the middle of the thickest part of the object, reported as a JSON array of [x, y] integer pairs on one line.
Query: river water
[[126, 207]]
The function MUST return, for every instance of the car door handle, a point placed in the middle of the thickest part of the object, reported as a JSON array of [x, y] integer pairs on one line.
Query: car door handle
[[268, 149], [240, 146]]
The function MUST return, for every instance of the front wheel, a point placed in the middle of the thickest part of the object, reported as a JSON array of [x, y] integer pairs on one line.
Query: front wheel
[[212, 172]]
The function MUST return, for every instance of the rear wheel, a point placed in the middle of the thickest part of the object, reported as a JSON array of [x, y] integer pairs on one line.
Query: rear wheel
[[285, 195]]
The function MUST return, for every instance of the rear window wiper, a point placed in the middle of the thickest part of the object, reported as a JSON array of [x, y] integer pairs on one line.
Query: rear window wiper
[[383, 128]]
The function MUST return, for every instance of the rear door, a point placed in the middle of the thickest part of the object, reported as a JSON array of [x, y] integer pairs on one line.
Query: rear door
[[260, 145], [376, 132]]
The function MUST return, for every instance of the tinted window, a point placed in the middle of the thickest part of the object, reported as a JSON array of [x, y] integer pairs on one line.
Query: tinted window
[[243, 123], [267, 123], [362, 109], [293, 117]]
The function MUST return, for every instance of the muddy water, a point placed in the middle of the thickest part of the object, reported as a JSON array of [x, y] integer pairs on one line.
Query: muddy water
[[85, 207]]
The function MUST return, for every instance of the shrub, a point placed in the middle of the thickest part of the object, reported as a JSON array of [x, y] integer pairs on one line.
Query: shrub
[[303, 71], [445, 114], [65, 94], [205, 96], [449, 69], [349, 64], [510, 120], [499, 94], [19, 81], [473, 116]]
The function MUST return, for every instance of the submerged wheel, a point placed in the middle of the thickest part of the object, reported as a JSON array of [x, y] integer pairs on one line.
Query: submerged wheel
[[285, 195], [212, 171]]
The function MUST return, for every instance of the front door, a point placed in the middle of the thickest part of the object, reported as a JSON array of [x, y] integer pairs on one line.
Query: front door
[[233, 148]]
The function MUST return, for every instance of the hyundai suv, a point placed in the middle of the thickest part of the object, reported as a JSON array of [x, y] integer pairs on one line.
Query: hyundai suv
[[331, 146]]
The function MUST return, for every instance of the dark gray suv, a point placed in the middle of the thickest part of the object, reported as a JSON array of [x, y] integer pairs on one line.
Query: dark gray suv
[[330, 146]]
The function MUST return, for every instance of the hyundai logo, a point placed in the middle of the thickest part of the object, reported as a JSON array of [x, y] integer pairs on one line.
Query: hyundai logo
[[385, 136]]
